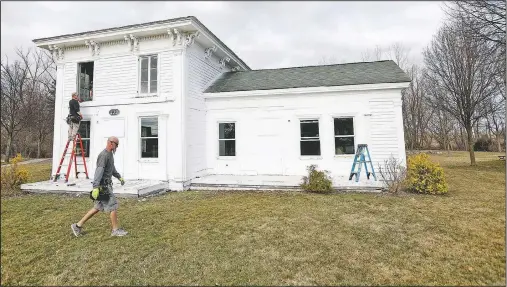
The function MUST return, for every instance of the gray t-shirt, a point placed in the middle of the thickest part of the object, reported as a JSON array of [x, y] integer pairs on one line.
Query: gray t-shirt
[[105, 168]]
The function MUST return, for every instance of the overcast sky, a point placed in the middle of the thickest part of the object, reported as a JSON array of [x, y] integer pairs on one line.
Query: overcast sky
[[263, 34]]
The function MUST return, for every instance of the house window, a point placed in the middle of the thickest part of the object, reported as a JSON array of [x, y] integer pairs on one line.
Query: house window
[[84, 132], [227, 139], [310, 141], [149, 137], [148, 74], [344, 136], [85, 81]]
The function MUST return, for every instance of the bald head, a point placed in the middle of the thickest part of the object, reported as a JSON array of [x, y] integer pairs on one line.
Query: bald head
[[112, 143]]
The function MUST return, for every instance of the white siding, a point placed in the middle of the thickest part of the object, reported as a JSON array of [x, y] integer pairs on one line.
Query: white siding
[[200, 73], [268, 131], [383, 130], [70, 81], [166, 74], [115, 77]]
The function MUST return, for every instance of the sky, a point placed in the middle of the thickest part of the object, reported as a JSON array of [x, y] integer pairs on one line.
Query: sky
[[263, 34]]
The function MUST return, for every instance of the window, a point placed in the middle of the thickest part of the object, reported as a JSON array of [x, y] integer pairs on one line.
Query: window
[[84, 132], [148, 74], [85, 81], [227, 139], [149, 137], [344, 136], [310, 141]]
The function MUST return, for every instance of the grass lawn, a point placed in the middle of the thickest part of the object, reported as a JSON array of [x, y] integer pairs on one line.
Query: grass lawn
[[285, 238]]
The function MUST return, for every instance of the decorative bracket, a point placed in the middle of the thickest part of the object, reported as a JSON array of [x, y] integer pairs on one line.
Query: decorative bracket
[[56, 51], [93, 47], [135, 42], [96, 47], [223, 61], [129, 43], [209, 51], [237, 68], [190, 38], [178, 37], [171, 36]]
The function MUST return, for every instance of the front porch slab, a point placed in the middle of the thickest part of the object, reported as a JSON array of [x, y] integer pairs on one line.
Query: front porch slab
[[275, 182], [132, 188]]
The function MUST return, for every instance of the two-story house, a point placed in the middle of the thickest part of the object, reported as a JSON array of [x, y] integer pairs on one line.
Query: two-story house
[[186, 108]]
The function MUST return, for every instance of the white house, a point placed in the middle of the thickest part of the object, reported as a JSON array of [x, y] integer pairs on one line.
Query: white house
[[186, 108]]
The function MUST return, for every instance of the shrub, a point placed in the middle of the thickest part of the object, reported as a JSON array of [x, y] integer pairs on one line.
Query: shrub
[[424, 176], [483, 144], [317, 181], [393, 174], [13, 176]]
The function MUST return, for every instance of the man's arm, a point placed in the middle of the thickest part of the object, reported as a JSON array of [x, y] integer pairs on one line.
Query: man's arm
[[115, 173], [78, 111], [99, 171]]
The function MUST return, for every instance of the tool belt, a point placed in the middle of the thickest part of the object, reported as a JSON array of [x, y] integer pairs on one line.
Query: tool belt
[[73, 119]]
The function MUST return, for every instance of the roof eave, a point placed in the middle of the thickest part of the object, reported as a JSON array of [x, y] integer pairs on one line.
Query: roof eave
[[307, 90]]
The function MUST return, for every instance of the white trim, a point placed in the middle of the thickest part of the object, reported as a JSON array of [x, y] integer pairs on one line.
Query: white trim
[[140, 137], [313, 139], [139, 59], [308, 90], [343, 116], [119, 33], [218, 156]]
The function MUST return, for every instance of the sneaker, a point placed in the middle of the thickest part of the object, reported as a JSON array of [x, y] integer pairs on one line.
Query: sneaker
[[119, 232], [76, 229]]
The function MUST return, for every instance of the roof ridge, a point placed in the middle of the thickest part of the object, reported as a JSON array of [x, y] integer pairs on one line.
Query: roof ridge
[[310, 66]]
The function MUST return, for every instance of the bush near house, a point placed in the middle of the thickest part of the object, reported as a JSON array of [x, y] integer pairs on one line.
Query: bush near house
[[13, 176], [424, 176], [317, 181]]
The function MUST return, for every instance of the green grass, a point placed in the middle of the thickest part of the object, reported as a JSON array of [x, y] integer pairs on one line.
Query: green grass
[[261, 238]]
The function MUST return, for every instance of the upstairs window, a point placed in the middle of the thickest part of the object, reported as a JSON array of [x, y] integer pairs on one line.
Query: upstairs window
[[227, 139], [344, 142], [310, 140], [85, 81], [148, 75]]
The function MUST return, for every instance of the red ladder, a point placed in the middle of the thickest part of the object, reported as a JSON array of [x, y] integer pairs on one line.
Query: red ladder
[[73, 157]]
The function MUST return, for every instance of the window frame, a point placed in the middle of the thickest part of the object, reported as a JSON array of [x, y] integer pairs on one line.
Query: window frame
[[345, 136], [140, 137], [301, 139], [235, 140], [139, 74], [88, 139]]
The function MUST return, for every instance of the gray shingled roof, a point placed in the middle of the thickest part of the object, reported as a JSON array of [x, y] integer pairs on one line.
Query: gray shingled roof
[[310, 76]]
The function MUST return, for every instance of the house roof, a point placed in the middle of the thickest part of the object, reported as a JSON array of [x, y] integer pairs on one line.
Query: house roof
[[310, 76], [141, 25]]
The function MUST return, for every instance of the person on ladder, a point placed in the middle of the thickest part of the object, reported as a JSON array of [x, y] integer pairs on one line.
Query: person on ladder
[[75, 116]]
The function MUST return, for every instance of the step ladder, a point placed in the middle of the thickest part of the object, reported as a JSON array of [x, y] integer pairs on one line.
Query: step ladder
[[73, 158], [360, 159]]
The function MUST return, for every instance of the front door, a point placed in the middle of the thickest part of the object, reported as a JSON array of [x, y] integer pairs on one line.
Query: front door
[[115, 127]]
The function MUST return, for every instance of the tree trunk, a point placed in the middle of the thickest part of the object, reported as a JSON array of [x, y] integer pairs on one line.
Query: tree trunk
[[498, 144], [8, 148], [469, 131], [38, 148]]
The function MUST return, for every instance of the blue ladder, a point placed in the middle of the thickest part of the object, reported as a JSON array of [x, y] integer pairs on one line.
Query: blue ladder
[[360, 158]]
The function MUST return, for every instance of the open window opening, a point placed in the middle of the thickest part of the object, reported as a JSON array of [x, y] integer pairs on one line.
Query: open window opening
[[85, 81]]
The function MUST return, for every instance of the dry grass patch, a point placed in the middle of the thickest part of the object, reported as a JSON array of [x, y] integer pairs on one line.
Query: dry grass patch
[[285, 238]]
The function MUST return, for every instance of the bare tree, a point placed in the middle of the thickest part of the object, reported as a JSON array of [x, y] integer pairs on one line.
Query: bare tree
[[27, 95], [461, 65], [417, 113], [330, 60]]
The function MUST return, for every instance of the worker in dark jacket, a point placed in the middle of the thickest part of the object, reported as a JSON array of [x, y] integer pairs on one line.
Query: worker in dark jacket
[[102, 192], [75, 116]]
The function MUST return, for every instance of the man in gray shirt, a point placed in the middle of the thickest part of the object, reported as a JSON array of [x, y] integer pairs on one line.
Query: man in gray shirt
[[102, 192]]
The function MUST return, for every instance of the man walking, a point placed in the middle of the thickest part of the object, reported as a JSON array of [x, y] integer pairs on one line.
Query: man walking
[[75, 116], [102, 192]]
